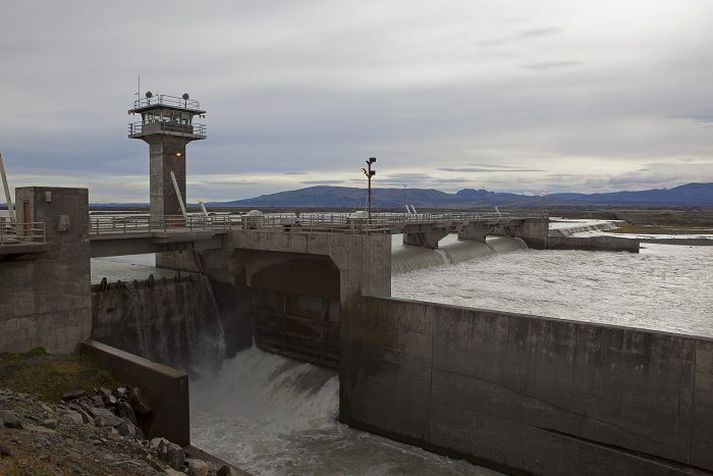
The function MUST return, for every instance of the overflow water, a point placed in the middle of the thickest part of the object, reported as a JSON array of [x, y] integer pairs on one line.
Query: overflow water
[[665, 287], [273, 416], [174, 322], [451, 250]]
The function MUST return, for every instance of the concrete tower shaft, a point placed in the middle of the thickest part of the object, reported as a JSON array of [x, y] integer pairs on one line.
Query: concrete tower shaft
[[167, 125], [166, 155]]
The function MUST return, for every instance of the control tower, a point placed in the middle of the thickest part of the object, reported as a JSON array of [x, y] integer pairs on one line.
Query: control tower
[[167, 125]]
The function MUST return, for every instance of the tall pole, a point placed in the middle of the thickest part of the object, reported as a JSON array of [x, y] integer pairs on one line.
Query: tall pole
[[369, 174], [8, 200], [368, 198]]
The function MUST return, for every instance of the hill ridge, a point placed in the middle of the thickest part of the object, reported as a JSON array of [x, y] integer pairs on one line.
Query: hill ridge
[[690, 194]]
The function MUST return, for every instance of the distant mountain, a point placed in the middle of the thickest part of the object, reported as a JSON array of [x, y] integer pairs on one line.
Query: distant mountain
[[689, 194], [699, 194]]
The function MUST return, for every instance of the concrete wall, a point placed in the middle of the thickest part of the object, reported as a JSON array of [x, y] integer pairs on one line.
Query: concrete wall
[[45, 300], [594, 243], [529, 394], [166, 389], [180, 260], [172, 321]]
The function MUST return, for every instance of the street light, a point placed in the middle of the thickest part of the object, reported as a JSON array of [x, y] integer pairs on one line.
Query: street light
[[369, 174]]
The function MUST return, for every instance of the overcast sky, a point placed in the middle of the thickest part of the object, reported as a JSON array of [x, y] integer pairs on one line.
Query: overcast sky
[[559, 95]]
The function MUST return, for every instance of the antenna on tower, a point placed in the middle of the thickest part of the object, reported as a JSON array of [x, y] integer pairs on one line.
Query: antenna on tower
[[138, 88]]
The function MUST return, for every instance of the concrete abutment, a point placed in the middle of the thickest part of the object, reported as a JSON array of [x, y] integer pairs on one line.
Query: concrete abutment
[[45, 300]]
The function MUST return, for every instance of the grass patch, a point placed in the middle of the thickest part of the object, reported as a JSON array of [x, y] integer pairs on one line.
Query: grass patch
[[49, 376]]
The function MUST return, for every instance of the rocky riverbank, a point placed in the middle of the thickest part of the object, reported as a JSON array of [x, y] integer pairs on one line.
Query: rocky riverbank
[[88, 433]]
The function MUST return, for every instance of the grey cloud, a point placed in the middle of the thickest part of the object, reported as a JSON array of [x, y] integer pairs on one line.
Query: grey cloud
[[287, 91], [321, 182], [495, 166], [524, 35], [407, 177], [550, 65], [487, 169]]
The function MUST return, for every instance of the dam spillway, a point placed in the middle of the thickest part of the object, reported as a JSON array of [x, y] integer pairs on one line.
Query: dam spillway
[[451, 250], [288, 408], [173, 321]]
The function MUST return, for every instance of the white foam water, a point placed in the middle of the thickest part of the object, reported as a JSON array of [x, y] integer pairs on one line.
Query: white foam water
[[451, 250], [274, 416], [665, 287]]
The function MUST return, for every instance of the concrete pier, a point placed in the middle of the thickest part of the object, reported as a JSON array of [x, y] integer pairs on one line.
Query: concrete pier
[[45, 300]]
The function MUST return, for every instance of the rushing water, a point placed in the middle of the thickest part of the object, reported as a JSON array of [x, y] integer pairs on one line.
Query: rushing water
[[665, 287], [450, 250], [271, 415], [175, 323]]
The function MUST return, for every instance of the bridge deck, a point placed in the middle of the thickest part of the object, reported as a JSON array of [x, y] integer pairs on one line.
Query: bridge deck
[[112, 235], [117, 225]]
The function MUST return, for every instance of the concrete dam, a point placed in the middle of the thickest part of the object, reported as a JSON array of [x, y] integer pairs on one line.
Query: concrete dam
[[516, 392]]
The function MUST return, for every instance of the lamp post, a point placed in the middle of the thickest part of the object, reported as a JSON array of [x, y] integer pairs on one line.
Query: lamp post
[[369, 174]]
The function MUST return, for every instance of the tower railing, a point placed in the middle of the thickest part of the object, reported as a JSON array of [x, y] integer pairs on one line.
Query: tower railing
[[144, 128], [166, 100]]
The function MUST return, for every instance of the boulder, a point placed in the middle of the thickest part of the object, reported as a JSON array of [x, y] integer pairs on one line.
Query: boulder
[[108, 421], [73, 395], [97, 412], [104, 417], [10, 420], [4, 452], [70, 416], [86, 418], [50, 423], [173, 472], [129, 430], [197, 467], [125, 411], [169, 452]]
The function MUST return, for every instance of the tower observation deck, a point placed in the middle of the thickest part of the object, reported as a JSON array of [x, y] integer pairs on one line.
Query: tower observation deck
[[168, 124]]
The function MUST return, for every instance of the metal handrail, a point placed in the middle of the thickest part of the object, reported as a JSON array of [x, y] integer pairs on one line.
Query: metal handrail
[[109, 224], [13, 233], [291, 222], [196, 129], [167, 100]]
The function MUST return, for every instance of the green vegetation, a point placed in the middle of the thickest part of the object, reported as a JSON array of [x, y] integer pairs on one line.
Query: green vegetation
[[49, 376]]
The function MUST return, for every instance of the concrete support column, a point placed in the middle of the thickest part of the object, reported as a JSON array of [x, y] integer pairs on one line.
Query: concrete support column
[[534, 232], [426, 239], [45, 300], [474, 233]]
